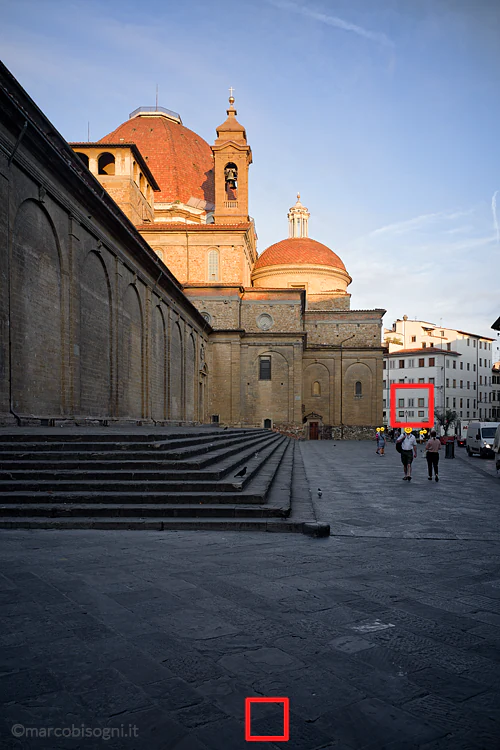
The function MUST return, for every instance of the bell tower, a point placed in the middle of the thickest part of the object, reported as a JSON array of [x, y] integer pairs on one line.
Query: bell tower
[[232, 157]]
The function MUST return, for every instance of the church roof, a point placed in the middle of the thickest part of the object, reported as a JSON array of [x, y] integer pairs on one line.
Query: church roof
[[180, 160], [299, 250]]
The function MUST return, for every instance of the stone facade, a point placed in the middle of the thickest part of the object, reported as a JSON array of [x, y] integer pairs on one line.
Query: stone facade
[[92, 324]]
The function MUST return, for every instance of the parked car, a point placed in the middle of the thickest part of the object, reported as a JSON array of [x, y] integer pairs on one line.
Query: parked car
[[480, 437]]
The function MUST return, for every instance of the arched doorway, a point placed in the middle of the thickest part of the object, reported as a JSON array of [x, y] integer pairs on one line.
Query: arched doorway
[[268, 424]]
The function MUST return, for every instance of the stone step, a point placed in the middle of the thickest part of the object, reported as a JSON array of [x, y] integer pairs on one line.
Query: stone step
[[222, 458], [161, 444], [203, 453], [120, 484], [252, 489], [141, 510], [225, 523], [121, 435]]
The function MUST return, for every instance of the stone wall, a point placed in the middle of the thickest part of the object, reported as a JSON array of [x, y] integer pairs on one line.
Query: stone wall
[[92, 324]]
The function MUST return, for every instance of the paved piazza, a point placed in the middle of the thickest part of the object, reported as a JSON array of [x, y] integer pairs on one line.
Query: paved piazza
[[386, 635]]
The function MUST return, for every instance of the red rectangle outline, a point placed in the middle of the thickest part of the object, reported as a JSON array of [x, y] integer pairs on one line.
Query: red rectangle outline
[[268, 738], [427, 386]]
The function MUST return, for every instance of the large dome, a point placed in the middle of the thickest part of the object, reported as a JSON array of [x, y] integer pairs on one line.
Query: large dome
[[301, 251], [181, 161]]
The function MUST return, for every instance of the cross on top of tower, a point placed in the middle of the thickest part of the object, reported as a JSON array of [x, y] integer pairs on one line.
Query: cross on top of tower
[[231, 97]]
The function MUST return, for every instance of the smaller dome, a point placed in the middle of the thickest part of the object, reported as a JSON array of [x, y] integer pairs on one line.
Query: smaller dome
[[299, 250]]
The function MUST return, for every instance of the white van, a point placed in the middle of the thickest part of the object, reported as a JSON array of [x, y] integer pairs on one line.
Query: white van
[[496, 448], [480, 436]]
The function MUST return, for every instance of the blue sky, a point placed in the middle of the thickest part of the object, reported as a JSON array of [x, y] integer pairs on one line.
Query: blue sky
[[384, 114]]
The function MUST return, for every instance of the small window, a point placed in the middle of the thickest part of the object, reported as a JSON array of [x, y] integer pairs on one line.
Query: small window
[[384, 366], [461, 365], [106, 164], [454, 364], [213, 265], [448, 346], [424, 345], [413, 338], [432, 361], [411, 402], [316, 389], [358, 389], [401, 402], [421, 380], [454, 383], [215, 419], [421, 402], [447, 382], [431, 380], [401, 364], [401, 413], [421, 362], [421, 413], [264, 368]]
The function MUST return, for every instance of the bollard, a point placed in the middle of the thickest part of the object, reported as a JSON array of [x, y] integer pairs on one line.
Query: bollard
[[450, 449]]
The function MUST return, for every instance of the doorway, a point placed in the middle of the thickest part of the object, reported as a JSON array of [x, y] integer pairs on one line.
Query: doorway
[[267, 424], [313, 430]]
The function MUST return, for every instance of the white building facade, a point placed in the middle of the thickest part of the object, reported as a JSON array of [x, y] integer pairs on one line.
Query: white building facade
[[457, 362]]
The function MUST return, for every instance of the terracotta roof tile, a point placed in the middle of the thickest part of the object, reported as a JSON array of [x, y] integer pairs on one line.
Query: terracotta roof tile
[[179, 159], [298, 250]]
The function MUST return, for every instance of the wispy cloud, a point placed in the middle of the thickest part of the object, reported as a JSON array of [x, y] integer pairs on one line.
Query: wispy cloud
[[495, 218], [335, 21], [418, 222]]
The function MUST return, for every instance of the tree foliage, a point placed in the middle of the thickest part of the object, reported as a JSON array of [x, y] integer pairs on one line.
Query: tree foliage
[[446, 418]]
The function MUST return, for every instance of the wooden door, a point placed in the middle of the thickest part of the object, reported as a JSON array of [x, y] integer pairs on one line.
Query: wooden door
[[313, 430]]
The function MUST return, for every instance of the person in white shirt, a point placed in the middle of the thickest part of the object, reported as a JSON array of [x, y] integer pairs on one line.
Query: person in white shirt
[[408, 451]]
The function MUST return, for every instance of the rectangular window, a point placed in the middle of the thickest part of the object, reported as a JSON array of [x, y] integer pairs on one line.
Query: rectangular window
[[411, 413], [447, 363], [432, 345], [442, 333], [480, 380], [391, 364], [411, 402], [384, 365], [447, 402], [421, 380], [401, 413], [461, 403], [421, 362], [401, 380], [454, 364], [474, 367], [454, 383], [468, 365], [461, 384], [468, 385], [432, 361], [448, 346], [401, 402], [474, 343], [431, 380], [265, 368], [424, 345], [421, 402], [454, 402], [384, 403], [480, 344], [468, 403], [401, 364], [411, 363], [447, 382], [480, 362], [474, 386], [384, 384], [421, 413], [461, 365], [413, 338]]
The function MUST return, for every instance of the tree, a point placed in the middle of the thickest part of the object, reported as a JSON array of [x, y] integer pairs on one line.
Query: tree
[[446, 418]]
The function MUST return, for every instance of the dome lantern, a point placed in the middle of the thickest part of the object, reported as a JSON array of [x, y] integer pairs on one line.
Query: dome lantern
[[298, 219]]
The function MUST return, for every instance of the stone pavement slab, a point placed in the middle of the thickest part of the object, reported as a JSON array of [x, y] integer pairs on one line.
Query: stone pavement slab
[[384, 636]]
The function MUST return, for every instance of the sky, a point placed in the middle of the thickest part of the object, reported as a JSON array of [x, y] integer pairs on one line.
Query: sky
[[383, 114]]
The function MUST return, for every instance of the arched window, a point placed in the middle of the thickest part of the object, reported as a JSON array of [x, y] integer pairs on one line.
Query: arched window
[[213, 265], [358, 390], [316, 388], [84, 158], [106, 164], [231, 178], [141, 182]]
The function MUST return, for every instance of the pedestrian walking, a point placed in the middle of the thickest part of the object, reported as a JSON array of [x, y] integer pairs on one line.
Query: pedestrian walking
[[380, 442], [408, 451], [432, 455]]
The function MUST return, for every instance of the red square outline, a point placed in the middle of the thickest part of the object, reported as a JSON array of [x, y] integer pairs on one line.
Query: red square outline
[[394, 387], [267, 738]]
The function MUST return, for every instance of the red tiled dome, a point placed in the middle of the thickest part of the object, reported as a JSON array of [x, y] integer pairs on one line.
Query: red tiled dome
[[301, 250], [179, 159]]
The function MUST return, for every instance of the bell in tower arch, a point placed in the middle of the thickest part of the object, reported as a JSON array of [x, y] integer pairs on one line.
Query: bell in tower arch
[[231, 175]]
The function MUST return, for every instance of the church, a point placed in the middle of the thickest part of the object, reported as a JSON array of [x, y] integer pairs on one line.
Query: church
[[136, 293]]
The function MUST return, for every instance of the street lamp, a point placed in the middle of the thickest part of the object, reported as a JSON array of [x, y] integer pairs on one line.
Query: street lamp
[[342, 388]]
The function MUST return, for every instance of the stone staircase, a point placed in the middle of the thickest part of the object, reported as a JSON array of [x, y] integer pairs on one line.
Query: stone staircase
[[161, 479]]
